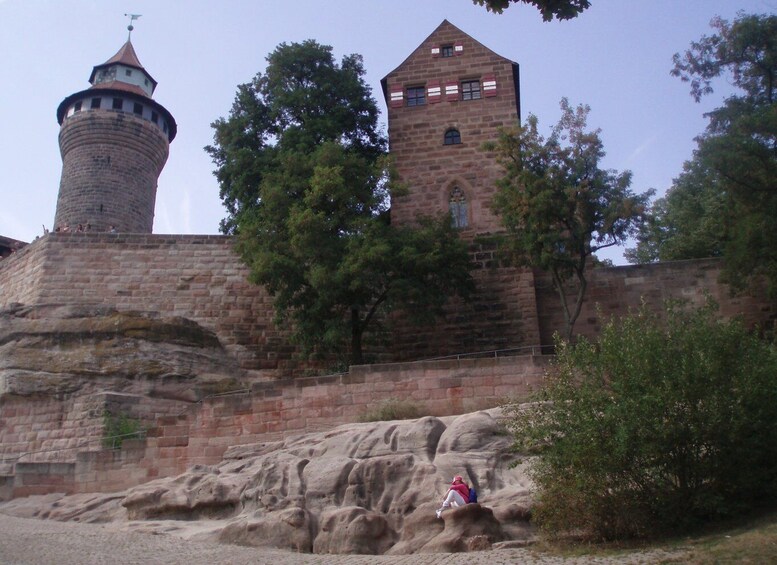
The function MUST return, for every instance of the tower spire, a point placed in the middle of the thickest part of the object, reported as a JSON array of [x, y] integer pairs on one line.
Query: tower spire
[[130, 27]]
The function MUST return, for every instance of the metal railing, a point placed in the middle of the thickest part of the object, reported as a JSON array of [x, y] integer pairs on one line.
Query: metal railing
[[527, 350]]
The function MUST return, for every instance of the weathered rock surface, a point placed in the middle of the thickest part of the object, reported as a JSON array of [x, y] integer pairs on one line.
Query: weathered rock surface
[[56, 350], [367, 488]]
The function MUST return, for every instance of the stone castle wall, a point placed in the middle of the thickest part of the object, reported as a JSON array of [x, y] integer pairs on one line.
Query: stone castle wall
[[201, 433], [201, 278], [614, 291], [196, 277]]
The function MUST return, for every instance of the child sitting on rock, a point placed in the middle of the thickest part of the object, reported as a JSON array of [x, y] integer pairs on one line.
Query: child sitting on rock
[[458, 495]]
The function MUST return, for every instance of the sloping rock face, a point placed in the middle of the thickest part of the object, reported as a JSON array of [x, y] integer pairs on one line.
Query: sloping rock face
[[55, 350], [361, 488]]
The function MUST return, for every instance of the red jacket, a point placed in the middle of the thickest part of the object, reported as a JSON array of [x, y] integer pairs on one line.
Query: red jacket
[[462, 489]]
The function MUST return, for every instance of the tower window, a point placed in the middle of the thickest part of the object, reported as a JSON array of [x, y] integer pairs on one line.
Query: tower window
[[128, 72], [470, 89], [452, 137], [457, 203], [77, 107], [118, 104], [416, 96], [138, 109], [446, 51], [154, 117], [95, 105]]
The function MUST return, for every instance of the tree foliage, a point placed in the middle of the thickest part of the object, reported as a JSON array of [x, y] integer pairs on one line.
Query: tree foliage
[[304, 177], [735, 164], [689, 222], [660, 426], [559, 9], [556, 203]]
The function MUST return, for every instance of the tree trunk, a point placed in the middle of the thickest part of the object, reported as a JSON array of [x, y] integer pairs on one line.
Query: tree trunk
[[356, 338]]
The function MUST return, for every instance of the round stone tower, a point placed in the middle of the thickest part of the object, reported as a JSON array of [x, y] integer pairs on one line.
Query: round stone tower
[[114, 142]]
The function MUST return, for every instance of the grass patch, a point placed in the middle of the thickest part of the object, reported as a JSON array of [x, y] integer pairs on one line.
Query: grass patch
[[392, 409], [748, 541]]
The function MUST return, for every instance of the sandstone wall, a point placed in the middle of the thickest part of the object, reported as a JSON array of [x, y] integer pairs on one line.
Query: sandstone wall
[[614, 291], [201, 433], [19, 275], [197, 277], [502, 314], [44, 428]]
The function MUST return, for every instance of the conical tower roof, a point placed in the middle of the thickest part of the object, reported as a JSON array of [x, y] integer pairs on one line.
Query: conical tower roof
[[127, 58]]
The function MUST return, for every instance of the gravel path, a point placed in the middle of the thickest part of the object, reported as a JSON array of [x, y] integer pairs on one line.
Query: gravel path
[[43, 542]]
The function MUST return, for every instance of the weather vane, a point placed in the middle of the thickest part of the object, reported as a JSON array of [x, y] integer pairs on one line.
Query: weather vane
[[130, 27]]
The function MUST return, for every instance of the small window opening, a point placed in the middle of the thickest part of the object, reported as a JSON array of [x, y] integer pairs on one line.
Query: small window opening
[[77, 106], [155, 117], [118, 104], [416, 96], [470, 90], [452, 137], [95, 104], [138, 109], [457, 204], [128, 72], [446, 51]]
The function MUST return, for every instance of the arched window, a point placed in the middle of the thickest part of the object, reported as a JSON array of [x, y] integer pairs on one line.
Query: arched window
[[452, 137], [457, 203]]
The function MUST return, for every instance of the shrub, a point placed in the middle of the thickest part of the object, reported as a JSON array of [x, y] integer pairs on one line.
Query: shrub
[[392, 409], [659, 426], [118, 427]]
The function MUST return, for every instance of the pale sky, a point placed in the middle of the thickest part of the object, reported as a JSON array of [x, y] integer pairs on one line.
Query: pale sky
[[615, 57]]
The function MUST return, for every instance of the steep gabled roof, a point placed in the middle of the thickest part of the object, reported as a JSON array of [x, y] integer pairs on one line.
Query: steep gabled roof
[[445, 28]]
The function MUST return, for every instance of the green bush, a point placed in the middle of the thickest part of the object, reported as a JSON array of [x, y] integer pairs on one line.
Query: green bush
[[118, 427], [392, 409], [660, 426]]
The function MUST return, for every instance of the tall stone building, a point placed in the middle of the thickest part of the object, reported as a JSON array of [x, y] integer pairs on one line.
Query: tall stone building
[[444, 101], [114, 142]]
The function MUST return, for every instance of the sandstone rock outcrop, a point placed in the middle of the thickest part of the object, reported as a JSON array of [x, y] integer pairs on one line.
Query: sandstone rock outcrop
[[359, 488], [54, 349]]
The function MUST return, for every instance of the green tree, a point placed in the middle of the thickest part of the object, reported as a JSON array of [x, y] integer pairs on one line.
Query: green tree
[[558, 206], [689, 222], [559, 9], [736, 155], [305, 180], [665, 423]]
